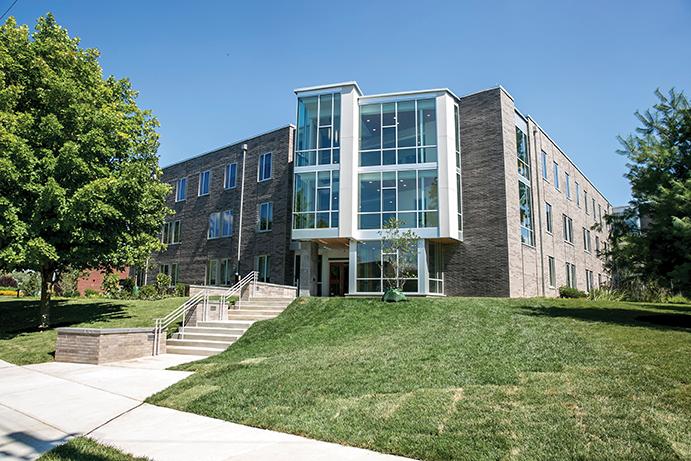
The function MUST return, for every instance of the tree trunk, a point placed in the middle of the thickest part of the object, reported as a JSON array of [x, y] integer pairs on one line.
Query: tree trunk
[[46, 278]]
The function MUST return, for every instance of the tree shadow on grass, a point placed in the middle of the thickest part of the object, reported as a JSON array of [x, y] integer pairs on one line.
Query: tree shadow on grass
[[617, 316], [22, 315]]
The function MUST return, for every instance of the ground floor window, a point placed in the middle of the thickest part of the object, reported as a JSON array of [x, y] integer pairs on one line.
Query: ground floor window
[[171, 270], [377, 268], [227, 273], [435, 267], [588, 280], [212, 272], [264, 268], [551, 266], [571, 275]]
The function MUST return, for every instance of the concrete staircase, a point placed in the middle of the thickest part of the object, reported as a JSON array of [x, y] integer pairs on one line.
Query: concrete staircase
[[212, 337]]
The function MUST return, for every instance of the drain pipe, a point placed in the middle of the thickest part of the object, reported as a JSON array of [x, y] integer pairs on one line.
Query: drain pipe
[[242, 200]]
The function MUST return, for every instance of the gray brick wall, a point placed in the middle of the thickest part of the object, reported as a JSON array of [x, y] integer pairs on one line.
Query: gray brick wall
[[194, 250]]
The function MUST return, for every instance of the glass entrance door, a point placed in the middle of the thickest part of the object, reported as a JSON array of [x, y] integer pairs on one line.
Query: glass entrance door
[[338, 278]]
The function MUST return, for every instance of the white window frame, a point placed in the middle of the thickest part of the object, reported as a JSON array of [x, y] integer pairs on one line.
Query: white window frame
[[549, 218], [261, 163], [567, 185], [225, 176], [216, 214], [264, 260], [567, 223], [555, 169], [199, 186], [578, 194], [178, 189], [270, 207], [552, 272], [545, 173]]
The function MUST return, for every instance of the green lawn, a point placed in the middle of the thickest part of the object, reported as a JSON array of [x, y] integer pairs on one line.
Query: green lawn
[[85, 449], [21, 343], [443, 379]]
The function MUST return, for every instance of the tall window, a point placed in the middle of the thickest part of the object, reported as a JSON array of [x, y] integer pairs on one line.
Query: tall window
[[571, 275], [522, 154], [398, 133], [567, 181], [214, 226], [588, 280], [181, 190], [586, 240], [435, 267], [227, 224], [552, 268], [578, 194], [585, 200], [212, 272], [226, 272], [409, 196], [556, 175], [171, 270], [318, 131], [459, 190], [597, 245], [599, 213], [264, 268], [545, 174], [264, 172], [375, 271], [548, 218], [316, 199], [204, 183], [170, 233], [526, 213], [266, 216], [231, 173], [568, 228], [592, 201]]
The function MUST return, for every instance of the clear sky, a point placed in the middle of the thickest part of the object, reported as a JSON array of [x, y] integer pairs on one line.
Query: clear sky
[[217, 72]]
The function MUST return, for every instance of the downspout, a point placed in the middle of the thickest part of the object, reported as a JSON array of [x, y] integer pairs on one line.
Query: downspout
[[539, 214], [242, 200]]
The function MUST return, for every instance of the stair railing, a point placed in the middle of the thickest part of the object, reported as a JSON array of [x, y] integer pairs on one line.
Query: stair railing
[[161, 324], [251, 277]]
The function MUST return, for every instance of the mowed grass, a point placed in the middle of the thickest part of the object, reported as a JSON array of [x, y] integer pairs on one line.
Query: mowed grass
[[22, 343], [85, 449], [442, 379]]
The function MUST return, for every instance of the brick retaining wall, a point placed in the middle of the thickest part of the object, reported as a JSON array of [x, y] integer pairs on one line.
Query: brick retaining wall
[[96, 346]]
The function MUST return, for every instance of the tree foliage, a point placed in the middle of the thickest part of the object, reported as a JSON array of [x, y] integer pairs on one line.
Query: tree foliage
[[79, 174], [659, 154], [399, 253]]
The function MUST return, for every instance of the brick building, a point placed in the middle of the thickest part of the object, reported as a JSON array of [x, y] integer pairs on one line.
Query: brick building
[[499, 208]]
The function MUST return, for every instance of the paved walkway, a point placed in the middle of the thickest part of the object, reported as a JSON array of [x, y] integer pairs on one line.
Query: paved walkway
[[43, 405]]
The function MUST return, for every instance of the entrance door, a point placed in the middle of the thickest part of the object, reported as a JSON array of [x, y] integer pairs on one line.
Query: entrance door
[[338, 278]]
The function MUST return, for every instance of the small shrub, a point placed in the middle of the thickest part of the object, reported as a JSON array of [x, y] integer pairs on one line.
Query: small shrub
[[148, 292], [127, 285], [163, 282], [28, 281], [7, 281], [182, 289], [91, 293], [111, 285], [678, 299], [67, 283], [568, 292], [605, 294]]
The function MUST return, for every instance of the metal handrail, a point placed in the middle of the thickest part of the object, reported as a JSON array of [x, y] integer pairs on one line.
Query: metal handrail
[[162, 324], [251, 277]]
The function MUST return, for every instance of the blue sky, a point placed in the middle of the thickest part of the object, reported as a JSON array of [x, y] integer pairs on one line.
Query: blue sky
[[217, 72]]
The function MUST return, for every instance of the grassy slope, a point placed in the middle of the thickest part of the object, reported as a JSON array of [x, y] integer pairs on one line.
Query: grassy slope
[[85, 449], [460, 378], [21, 343]]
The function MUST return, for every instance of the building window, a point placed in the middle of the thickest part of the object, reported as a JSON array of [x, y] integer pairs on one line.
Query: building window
[[522, 154], [526, 213], [586, 240], [181, 190], [552, 268], [227, 224], [588, 280], [568, 228], [567, 181], [435, 267], [545, 174], [230, 178], [459, 182], [597, 245], [212, 272], [266, 216], [409, 196], [172, 271], [578, 194], [170, 232], [556, 175], [375, 271], [585, 200], [204, 183], [318, 130], [592, 201], [548, 218], [400, 132], [599, 280], [214, 226], [315, 200], [263, 268], [599, 213], [264, 172], [226, 272], [571, 275]]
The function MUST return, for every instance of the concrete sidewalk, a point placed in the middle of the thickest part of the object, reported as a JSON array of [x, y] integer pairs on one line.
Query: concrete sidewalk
[[43, 405]]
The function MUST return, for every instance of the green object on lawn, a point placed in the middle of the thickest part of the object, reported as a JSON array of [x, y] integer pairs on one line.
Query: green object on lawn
[[393, 295]]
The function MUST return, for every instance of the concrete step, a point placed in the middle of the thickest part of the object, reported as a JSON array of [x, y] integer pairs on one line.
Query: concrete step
[[225, 324], [216, 331], [221, 345], [258, 305], [229, 338], [235, 316], [269, 299], [242, 310], [187, 350]]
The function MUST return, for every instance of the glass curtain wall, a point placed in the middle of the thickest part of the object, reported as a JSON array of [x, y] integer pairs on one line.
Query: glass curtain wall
[[316, 199], [377, 268], [524, 188]]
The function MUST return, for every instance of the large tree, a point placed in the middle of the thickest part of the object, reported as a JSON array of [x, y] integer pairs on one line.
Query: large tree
[[79, 174], [659, 155]]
